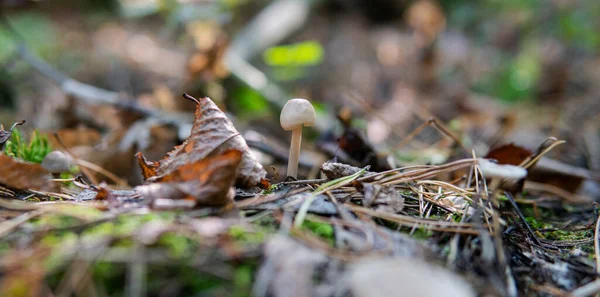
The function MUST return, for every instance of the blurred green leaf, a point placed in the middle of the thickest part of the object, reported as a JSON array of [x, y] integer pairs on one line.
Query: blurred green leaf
[[307, 53], [35, 29], [249, 103]]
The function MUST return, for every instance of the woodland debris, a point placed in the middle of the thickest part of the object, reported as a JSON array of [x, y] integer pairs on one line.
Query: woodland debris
[[335, 170]]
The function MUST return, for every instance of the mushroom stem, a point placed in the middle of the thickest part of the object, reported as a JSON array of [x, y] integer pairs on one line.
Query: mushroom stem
[[294, 152]]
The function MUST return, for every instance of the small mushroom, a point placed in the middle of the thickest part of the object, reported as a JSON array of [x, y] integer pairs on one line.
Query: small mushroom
[[502, 171], [295, 114], [56, 162]]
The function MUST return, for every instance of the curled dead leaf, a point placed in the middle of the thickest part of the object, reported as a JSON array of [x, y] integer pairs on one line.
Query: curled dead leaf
[[212, 134], [148, 168], [22, 176], [207, 181]]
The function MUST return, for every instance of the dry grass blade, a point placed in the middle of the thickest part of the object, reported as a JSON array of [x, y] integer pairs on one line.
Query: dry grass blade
[[332, 185], [531, 161], [409, 221], [424, 172]]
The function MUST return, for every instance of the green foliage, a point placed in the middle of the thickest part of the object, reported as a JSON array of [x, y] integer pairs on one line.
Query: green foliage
[[307, 53], [243, 279], [323, 230], [179, 246], [514, 81], [35, 28], [566, 235], [290, 62], [34, 151], [422, 233], [249, 103], [577, 27], [245, 236]]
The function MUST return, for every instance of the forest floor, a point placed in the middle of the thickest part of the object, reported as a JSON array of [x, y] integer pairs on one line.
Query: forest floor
[[456, 150]]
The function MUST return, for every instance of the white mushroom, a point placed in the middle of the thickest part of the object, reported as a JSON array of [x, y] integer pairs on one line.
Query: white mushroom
[[56, 162], [503, 171], [295, 114]]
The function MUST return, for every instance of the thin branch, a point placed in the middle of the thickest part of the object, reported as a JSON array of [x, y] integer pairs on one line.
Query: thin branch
[[84, 92]]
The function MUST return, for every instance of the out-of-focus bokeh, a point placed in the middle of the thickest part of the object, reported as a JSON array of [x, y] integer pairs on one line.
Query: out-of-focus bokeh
[[493, 71]]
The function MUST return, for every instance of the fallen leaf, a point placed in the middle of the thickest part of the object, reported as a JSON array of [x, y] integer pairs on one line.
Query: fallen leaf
[[208, 182], [212, 133], [22, 176], [509, 154]]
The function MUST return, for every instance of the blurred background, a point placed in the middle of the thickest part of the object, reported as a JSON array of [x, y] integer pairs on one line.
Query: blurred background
[[108, 75]]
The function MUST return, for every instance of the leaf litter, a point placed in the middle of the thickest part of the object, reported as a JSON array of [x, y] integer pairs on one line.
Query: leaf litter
[[347, 232]]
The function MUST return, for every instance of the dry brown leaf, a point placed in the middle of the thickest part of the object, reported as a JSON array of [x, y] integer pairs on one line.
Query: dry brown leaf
[[22, 176], [509, 154], [207, 181], [212, 133]]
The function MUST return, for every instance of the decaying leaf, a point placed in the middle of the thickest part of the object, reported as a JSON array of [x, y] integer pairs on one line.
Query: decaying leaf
[[509, 154], [5, 135], [212, 133], [207, 181], [22, 176], [338, 170]]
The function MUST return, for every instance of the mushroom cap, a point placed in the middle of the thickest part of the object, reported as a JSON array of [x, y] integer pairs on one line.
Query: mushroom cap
[[56, 162], [297, 112], [505, 171]]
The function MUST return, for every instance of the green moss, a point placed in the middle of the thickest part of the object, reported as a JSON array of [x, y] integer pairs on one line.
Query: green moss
[[271, 189], [321, 229], [243, 279], [54, 221], [34, 151], [244, 235], [564, 235], [422, 233], [178, 246]]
